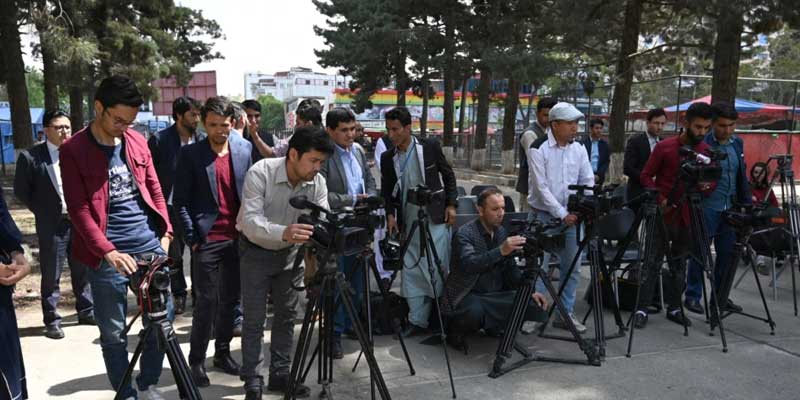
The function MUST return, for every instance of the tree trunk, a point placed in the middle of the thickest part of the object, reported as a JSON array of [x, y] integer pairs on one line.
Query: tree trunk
[[624, 80], [11, 52], [462, 111], [510, 125], [423, 120], [76, 96], [482, 120], [49, 72], [529, 108], [448, 106], [401, 78], [727, 52]]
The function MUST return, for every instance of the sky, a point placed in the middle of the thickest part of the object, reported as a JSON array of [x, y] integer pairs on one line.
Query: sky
[[260, 35]]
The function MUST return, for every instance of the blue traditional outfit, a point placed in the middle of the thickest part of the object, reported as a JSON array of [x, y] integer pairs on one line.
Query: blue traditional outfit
[[12, 368]]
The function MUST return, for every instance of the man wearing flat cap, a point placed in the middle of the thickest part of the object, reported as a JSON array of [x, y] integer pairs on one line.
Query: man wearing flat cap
[[557, 161]]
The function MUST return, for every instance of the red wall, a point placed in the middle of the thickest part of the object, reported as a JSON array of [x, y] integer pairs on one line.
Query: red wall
[[759, 146]]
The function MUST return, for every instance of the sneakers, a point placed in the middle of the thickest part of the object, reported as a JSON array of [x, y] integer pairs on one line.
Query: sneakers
[[676, 316], [529, 327], [640, 319], [559, 323], [152, 393]]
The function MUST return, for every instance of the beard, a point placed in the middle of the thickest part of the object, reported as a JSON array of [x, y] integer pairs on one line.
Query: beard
[[695, 139]]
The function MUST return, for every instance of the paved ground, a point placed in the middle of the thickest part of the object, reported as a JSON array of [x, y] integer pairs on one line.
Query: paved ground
[[665, 365]]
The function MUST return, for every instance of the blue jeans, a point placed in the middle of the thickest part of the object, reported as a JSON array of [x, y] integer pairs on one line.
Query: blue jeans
[[724, 238], [354, 273], [565, 256], [110, 289]]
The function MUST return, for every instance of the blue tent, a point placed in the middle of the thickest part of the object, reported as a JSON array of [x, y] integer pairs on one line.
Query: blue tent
[[742, 106], [6, 131]]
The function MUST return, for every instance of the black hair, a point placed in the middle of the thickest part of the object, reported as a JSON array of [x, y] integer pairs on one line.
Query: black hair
[[49, 116], [490, 191], [656, 112], [310, 114], [116, 90], [723, 109], [238, 110], [546, 102], [595, 121], [219, 105], [338, 115], [184, 104], [399, 113], [309, 138], [252, 105], [698, 110]]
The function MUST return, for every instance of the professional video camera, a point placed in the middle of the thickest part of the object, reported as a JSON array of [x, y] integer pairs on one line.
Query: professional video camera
[[758, 216], [392, 254], [588, 207], [696, 167], [150, 284], [346, 232], [422, 196], [539, 236]]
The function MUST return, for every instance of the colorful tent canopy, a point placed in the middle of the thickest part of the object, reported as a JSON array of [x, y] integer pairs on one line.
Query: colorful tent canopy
[[742, 106]]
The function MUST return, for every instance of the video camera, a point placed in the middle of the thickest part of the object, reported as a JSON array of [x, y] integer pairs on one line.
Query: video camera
[[392, 254], [588, 207], [539, 236], [696, 167], [150, 284], [422, 196], [346, 232], [754, 216]]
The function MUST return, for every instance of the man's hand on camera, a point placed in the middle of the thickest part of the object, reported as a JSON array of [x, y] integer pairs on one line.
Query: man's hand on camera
[[298, 233], [540, 300], [391, 224], [123, 263], [450, 215], [571, 219], [511, 244]]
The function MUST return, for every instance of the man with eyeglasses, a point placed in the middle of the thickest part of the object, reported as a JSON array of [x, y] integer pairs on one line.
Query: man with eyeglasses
[[119, 212], [37, 184]]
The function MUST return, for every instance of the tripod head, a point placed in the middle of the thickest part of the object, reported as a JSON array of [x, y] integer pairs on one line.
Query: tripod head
[[150, 283]]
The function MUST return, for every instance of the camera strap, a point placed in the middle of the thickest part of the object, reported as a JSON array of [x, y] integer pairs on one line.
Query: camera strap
[[412, 149]]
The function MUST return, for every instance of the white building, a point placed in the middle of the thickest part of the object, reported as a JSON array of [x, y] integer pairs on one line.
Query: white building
[[298, 82]]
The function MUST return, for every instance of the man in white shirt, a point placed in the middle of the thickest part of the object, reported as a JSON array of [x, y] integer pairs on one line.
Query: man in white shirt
[[537, 130], [557, 161]]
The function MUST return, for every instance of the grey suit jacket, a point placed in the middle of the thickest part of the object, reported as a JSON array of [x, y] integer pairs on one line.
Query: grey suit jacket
[[336, 179]]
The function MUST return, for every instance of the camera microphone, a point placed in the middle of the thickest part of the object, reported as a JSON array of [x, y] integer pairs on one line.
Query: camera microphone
[[686, 151], [301, 202]]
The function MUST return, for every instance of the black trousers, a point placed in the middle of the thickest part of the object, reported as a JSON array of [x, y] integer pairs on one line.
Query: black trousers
[[674, 242], [175, 252], [488, 311], [217, 290], [53, 255]]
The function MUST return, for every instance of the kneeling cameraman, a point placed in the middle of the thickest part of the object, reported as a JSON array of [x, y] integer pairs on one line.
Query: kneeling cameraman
[[479, 291]]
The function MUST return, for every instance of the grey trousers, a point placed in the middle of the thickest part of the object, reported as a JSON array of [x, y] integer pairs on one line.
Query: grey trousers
[[266, 272]]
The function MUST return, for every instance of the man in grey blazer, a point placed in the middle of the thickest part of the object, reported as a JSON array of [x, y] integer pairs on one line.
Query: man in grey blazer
[[37, 184], [348, 180]]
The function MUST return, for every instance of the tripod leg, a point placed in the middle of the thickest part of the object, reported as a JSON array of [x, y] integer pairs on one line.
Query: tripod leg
[[564, 279], [761, 293], [513, 325], [126, 379], [303, 343], [177, 362]]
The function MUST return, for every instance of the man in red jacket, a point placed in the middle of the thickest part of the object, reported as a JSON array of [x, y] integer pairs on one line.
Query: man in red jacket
[[118, 212], [673, 236]]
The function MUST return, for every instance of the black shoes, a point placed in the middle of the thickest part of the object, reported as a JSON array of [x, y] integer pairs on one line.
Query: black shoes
[[412, 330], [253, 388], [87, 320], [280, 383], [458, 342], [226, 363], [180, 304], [732, 307], [336, 352], [199, 375], [693, 306], [676, 316], [640, 319], [53, 331]]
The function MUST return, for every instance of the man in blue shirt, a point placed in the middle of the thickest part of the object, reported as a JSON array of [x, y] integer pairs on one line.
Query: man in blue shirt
[[731, 187], [597, 149], [348, 179]]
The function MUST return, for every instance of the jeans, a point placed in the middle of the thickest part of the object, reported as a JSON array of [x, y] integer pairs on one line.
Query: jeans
[[724, 238], [354, 273], [110, 289], [565, 256]]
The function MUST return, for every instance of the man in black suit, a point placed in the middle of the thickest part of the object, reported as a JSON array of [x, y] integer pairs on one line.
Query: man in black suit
[[597, 149], [638, 149], [37, 184], [208, 193], [164, 146], [414, 162]]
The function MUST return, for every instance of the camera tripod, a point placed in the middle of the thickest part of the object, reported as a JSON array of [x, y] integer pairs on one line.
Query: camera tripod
[[741, 247], [323, 304], [785, 175], [522, 299], [158, 324], [428, 251], [600, 283]]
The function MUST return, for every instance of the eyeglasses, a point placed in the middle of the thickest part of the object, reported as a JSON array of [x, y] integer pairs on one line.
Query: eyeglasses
[[61, 127], [119, 122]]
